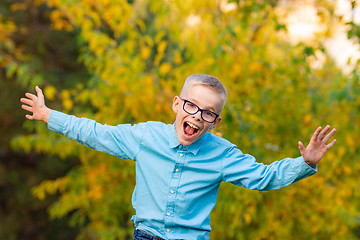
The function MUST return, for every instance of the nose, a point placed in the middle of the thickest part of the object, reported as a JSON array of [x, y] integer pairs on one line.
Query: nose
[[197, 116]]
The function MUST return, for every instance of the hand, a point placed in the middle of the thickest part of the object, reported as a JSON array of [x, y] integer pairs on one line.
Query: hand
[[36, 105], [317, 147]]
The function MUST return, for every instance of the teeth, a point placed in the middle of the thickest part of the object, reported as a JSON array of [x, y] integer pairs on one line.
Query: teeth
[[192, 125]]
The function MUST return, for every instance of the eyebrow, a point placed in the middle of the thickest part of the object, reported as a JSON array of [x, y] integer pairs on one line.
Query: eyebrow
[[206, 108]]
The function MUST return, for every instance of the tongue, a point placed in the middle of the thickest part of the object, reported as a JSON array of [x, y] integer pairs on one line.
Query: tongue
[[189, 130]]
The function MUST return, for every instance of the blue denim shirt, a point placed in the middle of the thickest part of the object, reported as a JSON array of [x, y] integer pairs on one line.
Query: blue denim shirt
[[176, 185]]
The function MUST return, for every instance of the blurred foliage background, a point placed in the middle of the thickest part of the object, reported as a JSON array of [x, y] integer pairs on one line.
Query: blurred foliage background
[[123, 61]]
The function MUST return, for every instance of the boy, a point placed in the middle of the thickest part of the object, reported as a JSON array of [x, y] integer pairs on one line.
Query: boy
[[179, 167]]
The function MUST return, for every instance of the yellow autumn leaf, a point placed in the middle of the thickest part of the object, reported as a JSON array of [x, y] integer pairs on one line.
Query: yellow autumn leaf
[[236, 69], [39, 2], [149, 41], [341, 151], [65, 93], [165, 68], [50, 92], [162, 46], [177, 57], [159, 35], [41, 195], [141, 24], [247, 218], [18, 7], [145, 52], [347, 169], [66, 101], [149, 81], [158, 108], [350, 141], [95, 192], [255, 66], [307, 119]]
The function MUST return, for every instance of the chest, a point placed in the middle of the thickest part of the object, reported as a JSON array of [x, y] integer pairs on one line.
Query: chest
[[157, 161]]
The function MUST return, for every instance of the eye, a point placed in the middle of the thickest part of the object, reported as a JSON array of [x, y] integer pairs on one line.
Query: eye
[[190, 104], [209, 114]]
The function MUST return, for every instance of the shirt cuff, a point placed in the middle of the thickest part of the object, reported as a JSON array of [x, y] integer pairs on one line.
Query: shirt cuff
[[56, 121], [302, 168]]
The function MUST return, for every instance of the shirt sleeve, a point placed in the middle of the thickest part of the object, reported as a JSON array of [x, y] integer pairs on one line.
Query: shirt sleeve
[[243, 170], [122, 140]]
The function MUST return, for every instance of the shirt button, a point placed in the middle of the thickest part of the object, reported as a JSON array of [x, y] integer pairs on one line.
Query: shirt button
[[181, 154], [172, 191], [168, 230], [168, 214], [176, 170]]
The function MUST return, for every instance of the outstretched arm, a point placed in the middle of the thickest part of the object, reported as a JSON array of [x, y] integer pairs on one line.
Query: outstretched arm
[[122, 140], [36, 105], [318, 146]]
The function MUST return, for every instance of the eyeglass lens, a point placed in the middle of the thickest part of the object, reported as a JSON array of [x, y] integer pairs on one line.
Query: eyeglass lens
[[192, 108]]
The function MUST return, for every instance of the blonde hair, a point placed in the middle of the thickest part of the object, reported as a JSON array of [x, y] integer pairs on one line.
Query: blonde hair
[[207, 81]]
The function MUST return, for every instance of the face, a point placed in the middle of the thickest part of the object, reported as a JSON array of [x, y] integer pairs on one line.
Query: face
[[190, 128]]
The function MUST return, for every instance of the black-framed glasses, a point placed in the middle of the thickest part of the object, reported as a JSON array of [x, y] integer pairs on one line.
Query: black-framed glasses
[[192, 108]]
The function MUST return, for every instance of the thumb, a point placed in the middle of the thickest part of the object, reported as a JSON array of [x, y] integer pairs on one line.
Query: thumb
[[301, 147], [38, 91], [40, 95]]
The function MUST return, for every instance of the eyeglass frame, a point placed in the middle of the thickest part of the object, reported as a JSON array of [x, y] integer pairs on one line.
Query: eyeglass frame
[[199, 109]]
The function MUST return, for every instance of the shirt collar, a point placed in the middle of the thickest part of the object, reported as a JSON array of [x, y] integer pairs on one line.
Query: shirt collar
[[174, 142]]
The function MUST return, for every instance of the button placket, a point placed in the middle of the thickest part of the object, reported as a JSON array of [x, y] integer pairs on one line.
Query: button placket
[[175, 178]]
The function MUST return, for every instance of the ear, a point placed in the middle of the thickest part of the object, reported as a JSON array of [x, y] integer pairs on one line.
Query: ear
[[216, 123], [176, 104]]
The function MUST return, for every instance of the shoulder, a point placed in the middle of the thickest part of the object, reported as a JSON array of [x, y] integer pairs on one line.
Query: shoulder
[[149, 124], [155, 128], [225, 149], [144, 125], [218, 147], [218, 143], [158, 125], [140, 130]]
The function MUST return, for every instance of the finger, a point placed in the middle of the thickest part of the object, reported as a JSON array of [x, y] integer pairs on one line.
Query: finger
[[323, 132], [31, 96], [29, 117], [38, 91], [301, 147], [27, 101], [316, 134], [327, 137], [40, 95], [331, 144], [27, 108]]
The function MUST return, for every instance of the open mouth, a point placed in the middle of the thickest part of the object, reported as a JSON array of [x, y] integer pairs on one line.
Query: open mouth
[[190, 129]]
